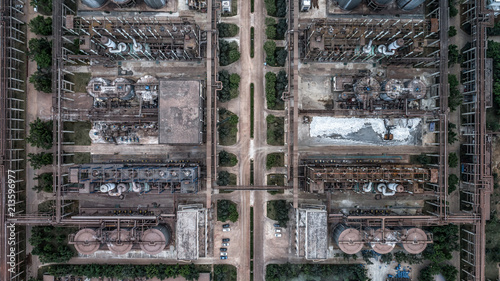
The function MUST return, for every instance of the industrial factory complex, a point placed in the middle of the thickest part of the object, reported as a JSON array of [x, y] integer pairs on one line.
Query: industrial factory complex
[[356, 148]]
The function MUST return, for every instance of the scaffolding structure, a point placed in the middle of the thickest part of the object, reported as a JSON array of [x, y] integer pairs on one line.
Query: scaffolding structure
[[370, 40]]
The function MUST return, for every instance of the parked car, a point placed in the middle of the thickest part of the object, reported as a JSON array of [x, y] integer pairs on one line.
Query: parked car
[[225, 225], [35, 9], [278, 230], [223, 249], [19, 6], [225, 244], [277, 234], [223, 254], [223, 258], [276, 225], [226, 229], [225, 239]]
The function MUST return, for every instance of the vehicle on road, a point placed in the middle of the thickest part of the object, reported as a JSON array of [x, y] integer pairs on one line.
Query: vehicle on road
[[225, 239], [226, 229], [223, 249], [276, 225], [223, 254], [277, 234], [225, 225], [225, 244], [278, 230], [223, 258]]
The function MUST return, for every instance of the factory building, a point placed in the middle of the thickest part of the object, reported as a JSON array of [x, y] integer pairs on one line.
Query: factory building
[[191, 236], [311, 232]]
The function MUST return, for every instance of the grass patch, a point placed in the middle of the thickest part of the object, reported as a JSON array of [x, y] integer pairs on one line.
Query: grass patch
[[225, 272], [225, 178], [251, 110], [251, 172], [278, 210], [82, 158], [234, 10], [227, 210], [252, 6], [276, 179], [81, 135], [275, 160], [251, 234], [81, 80], [252, 44], [287, 271], [275, 130], [232, 179], [227, 127]]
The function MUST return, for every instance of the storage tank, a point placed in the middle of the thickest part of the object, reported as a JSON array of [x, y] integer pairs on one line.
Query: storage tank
[[391, 89], [94, 3], [86, 242], [348, 239], [408, 5], [156, 4], [155, 239], [396, 44], [106, 41], [416, 89], [348, 4], [119, 242], [366, 88], [383, 242], [107, 187], [378, 5], [413, 240]]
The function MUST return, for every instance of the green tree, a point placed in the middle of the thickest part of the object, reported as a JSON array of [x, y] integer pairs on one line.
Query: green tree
[[281, 56], [228, 52], [271, 32], [42, 80], [270, 7], [41, 25], [455, 97], [44, 6], [270, 49], [452, 160], [227, 29], [227, 159], [40, 134], [281, 29], [452, 183], [223, 178], [271, 89], [453, 55], [452, 31], [453, 8], [234, 81], [40, 50], [39, 160], [452, 135], [45, 182]]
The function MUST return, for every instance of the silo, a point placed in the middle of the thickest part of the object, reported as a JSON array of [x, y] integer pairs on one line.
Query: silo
[[348, 239], [94, 3], [408, 5], [391, 89], [366, 88], [154, 240], [156, 4], [119, 242], [378, 5], [86, 242], [348, 4], [383, 242], [416, 89], [413, 240]]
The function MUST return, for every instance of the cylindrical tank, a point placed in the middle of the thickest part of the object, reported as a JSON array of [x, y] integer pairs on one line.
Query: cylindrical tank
[[106, 41], [119, 243], [156, 4], [394, 186], [413, 240], [122, 187], [408, 5], [94, 3], [391, 89], [378, 5], [366, 88], [416, 89], [348, 239], [86, 242], [154, 240], [383, 242], [136, 187], [396, 44], [348, 4], [107, 187], [368, 187], [122, 2]]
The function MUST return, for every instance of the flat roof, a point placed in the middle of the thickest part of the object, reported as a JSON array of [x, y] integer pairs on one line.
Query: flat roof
[[180, 112], [316, 234], [187, 235]]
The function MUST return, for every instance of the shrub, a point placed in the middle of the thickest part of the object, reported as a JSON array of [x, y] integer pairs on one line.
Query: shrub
[[452, 183], [227, 29], [270, 7], [281, 57], [281, 29], [39, 160], [270, 48], [40, 134], [42, 80], [271, 89], [455, 97], [453, 9], [452, 31], [227, 159], [45, 182], [271, 32], [453, 55], [452, 160], [228, 52]]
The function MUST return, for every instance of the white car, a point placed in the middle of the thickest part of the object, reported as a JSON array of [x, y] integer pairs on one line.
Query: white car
[[226, 229], [278, 230], [223, 253], [225, 244], [277, 234]]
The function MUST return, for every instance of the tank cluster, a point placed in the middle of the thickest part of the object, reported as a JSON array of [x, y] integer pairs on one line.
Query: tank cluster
[[120, 241], [103, 89], [371, 50], [382, 241], [368, 88], [114, 189], [153, 4], [122, 133], [377, 5], [134, 49], [389, 189]]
